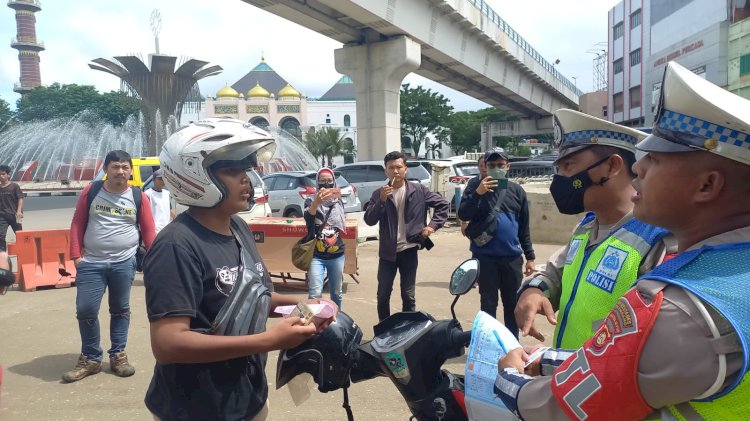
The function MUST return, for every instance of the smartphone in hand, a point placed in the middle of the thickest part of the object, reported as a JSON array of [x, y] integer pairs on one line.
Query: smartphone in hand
[[335, 193]]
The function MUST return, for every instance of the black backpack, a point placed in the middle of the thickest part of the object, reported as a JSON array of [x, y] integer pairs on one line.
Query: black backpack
[[96, 186]]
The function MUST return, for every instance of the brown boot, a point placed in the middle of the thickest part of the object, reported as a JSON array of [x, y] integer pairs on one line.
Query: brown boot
[[120, 365], [84, 367]]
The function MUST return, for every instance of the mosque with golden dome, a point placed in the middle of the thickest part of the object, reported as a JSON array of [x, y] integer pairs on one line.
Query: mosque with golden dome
[[264, 98]]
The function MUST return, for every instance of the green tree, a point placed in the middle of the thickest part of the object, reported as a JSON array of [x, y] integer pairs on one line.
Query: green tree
[[465, 132], [66, 101], [523, 151], [314, 144], [6, 115], [328, 143], [422, 112], [117, 106], [334, 142], [466, 127]]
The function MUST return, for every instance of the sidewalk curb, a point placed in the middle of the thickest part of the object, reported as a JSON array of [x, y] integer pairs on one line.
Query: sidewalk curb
[[51, 193]]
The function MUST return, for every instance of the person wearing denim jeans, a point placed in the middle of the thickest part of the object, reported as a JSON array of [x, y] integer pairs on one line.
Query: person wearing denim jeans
[[325, 219], [319, 267], [91, 280], [400, 208], [104, 238]]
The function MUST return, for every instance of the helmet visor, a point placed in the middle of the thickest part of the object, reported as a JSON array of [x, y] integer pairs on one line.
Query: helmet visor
[[245, 154]]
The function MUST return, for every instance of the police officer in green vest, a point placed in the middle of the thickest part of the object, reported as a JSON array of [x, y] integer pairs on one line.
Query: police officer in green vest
[[609, 248], [677, 346]]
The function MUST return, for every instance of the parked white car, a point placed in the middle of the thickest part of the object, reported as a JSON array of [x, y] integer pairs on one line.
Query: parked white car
[[257, 206], [461, 171], [287, 191]]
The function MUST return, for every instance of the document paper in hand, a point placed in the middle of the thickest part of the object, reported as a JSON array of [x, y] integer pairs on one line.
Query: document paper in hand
[[490, 340]]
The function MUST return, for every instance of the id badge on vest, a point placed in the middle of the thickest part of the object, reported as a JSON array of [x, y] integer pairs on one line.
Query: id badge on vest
[[609, 267]]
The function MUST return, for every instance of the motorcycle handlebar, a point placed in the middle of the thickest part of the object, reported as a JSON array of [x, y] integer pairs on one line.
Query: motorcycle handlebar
[[460, 338]]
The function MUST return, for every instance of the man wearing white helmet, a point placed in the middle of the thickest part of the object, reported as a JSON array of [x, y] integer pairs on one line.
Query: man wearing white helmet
[[675, 347], [208, 293]]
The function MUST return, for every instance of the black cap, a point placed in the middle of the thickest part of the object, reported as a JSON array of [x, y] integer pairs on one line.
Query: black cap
[[495, 153]]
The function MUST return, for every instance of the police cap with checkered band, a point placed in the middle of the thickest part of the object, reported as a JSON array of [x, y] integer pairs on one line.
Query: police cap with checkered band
[[696, 115], [575, 131]]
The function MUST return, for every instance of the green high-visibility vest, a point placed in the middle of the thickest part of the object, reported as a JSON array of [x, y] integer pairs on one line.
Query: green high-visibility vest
[[595, 278]]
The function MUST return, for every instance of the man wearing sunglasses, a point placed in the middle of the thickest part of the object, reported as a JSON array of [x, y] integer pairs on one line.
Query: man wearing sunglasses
[[609, 248]]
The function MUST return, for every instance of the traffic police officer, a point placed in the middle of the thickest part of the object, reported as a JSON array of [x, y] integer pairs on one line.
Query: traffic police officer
[[609, 248], [676, 345]]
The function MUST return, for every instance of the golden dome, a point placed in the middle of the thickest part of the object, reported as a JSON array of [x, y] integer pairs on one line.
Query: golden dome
[[227, 92], [258, 92], [288, 91]]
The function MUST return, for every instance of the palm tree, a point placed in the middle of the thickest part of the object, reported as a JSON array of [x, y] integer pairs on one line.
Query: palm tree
[[334, 143], [315, 145], [434, 150]]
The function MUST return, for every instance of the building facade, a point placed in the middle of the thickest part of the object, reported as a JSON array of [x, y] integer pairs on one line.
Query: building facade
[[264, 98], [644, 35]]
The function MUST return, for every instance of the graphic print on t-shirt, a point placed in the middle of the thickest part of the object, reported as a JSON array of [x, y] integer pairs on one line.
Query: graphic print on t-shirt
[[225, 279], [328, 240], [114, 210]]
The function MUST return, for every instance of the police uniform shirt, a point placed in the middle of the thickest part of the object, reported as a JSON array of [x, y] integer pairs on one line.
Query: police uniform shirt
[[679, 361]]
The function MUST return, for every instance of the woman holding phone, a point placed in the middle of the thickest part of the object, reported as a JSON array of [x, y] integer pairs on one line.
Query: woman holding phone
[[325, 220]]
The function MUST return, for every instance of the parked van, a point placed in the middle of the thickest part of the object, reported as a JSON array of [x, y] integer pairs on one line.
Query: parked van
[[142, 170]]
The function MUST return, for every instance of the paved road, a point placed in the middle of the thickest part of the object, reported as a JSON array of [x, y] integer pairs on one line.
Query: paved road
[[40, 341]]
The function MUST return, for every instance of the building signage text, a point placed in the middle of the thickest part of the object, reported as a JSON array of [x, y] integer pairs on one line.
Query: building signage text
[[677, 53]]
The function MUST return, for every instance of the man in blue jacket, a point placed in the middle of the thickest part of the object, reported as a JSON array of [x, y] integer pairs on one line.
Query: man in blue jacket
[[498, 215], [401, 209]]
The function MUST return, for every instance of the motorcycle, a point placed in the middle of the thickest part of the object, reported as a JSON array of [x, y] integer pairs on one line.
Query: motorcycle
[[408, 347]]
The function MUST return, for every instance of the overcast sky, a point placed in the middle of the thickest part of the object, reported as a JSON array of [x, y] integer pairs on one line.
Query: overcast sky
[[234, 35]]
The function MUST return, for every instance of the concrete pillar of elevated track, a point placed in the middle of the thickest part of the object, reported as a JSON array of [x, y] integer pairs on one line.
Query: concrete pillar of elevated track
[[377, 70]]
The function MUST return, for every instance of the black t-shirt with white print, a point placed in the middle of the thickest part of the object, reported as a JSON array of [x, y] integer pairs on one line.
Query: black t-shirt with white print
[[189, 271]]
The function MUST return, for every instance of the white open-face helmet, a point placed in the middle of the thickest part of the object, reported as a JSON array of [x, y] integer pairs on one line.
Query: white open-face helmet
[[191, 155]]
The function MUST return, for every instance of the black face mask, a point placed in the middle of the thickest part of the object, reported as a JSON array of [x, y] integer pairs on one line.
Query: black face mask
[[568, 192], [325, 185]]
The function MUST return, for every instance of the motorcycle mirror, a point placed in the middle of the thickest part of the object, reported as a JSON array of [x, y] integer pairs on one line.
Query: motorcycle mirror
[[464, 277]]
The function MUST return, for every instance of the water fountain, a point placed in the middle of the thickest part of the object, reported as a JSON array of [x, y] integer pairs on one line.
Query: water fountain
[[67, 153]]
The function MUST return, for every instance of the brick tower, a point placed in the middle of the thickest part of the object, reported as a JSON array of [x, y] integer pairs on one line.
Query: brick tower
[[26, 43]]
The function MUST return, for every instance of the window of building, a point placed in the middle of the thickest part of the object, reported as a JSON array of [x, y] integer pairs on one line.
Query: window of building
[[635, 57], [617, 103], [347, 120], [744, 64], [617, 31], [604, 111], [635, 97], [328, 119], [635, 18], [618, 66]]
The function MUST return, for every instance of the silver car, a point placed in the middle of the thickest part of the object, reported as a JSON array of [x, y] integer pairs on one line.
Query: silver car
[[288, 190], [257, 206]]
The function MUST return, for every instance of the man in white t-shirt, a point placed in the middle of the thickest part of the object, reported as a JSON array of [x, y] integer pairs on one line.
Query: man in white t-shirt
[[161, 205]]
